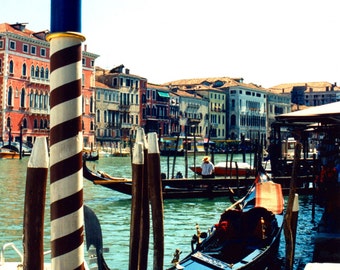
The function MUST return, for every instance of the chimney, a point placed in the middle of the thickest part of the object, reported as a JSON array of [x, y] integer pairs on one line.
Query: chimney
[[85, 47], [127, 71]]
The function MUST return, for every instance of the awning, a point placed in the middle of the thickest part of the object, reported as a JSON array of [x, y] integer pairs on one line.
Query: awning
[[328, 113], [163, 94]]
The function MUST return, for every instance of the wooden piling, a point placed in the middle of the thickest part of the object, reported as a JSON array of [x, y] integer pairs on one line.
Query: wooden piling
[[137, 178], [145, 211], [156, 200], [288, 229], [34, 208]]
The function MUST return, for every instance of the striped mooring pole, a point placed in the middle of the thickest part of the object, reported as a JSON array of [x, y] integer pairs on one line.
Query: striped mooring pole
[[66, 139]]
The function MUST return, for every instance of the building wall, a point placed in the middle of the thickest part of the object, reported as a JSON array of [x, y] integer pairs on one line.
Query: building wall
[[25, 91]]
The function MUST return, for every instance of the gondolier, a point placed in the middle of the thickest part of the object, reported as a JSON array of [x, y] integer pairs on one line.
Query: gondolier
[[208, 168]]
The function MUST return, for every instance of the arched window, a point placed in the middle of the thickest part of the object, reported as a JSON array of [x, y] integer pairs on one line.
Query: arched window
[[24, 70], [23, 98], [91, 126], [37, 72], [98, 115], [82, 125], [45, 123], [41, 123], [10, 95], [24, 123], [46, 74], [105, 116], [233, 120], [36, 101], [35, 123], [42, 73], [11, 67], [32, 71], [8, 124], [32, 97], [91, 105], [46, 101]]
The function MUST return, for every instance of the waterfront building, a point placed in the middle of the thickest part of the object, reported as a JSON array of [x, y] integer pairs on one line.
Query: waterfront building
[[309, 93], [156, 109], [24, 85], [125, 93], [193, 113]]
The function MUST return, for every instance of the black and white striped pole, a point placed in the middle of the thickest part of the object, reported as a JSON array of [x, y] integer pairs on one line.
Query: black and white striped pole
[[66, 138]]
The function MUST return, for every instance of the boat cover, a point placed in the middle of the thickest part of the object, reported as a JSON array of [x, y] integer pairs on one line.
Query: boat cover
[[269, 195]]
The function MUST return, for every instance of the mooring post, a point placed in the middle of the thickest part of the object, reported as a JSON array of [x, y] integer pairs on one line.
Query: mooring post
[[66, 137], [156, 199], [144, 239], [34, 208], [136, 207]]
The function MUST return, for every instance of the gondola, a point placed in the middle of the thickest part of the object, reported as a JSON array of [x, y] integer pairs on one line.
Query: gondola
[[247, 236], [174, 188]]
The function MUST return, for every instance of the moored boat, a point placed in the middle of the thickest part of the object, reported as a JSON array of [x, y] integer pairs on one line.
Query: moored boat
[[9, 154], [173, 188], [247, 236], [229, 169]]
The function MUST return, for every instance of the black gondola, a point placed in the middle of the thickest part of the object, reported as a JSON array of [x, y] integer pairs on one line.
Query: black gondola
[[247, 235]]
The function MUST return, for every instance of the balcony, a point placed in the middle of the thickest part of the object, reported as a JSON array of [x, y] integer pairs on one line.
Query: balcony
[[124, 108], [39, 81], [38, 111], [126, 125]]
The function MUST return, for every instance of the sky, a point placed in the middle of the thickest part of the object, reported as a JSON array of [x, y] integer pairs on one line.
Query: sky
[[267, 42]]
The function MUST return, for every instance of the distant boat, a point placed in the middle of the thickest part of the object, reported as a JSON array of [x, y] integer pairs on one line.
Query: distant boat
[[90, 155], [8, 154], [247, 236], [224, 169]]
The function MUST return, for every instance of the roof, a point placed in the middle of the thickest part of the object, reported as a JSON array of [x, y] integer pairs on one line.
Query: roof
[[288, 87], [328, 113], [21, 30]]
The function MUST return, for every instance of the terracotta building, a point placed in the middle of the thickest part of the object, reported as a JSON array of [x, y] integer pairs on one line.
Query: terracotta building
[[24, 85]]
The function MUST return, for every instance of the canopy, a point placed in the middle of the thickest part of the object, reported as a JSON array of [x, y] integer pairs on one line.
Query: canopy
[[327, 114]]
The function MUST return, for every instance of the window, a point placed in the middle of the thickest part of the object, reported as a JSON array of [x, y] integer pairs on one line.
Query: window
[[1, 44], [36, 74], [24, 70], [12, 45], [46, 73], [43, 52], [11, 67], [35, 123], [32, 71], [33, 50], [22, 98], [84, 61], [92, 63], [25, 48], [42, 72], [9, 96]]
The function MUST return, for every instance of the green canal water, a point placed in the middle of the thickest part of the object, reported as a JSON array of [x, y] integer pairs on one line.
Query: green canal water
[[113, 210]]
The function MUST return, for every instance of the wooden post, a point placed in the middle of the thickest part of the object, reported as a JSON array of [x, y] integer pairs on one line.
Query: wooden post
[[137, 178], [288, 230], [66, 136], [145, 211], [156, 199], [34, 209]]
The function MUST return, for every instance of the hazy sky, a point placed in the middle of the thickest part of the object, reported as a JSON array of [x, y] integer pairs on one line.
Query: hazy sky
[[267, 42]]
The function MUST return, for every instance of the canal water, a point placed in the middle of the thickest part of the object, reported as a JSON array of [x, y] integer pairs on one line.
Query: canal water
[[113, 210]]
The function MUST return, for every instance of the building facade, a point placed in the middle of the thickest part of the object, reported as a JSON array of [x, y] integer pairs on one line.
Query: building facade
[[24, 85], [119, 104]]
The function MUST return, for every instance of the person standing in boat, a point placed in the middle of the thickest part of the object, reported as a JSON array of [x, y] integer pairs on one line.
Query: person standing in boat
[[208, 168]]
